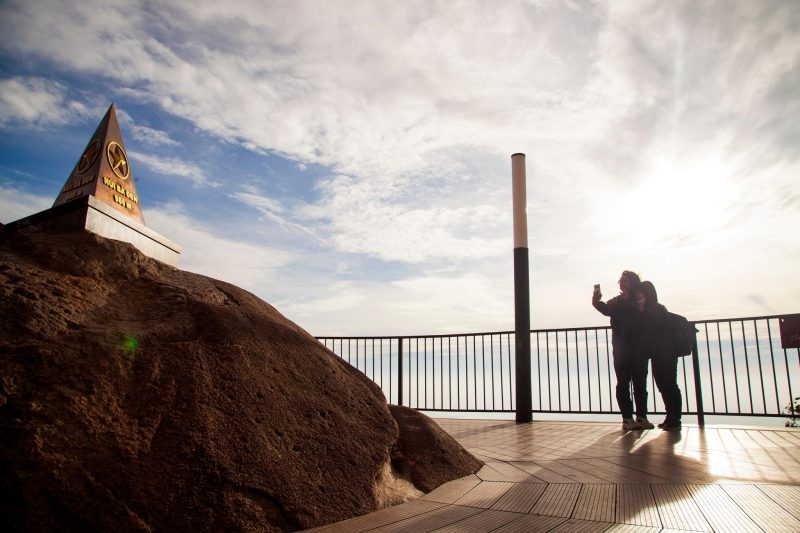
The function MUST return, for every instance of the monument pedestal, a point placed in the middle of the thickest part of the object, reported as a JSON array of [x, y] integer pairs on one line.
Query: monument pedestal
[[98, 217], [100, 196]]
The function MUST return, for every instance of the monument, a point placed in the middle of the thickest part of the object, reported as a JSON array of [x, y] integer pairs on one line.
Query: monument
[[100, 196]]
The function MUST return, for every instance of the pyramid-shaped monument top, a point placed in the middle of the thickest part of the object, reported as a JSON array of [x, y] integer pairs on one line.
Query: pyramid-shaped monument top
[[103, 171]]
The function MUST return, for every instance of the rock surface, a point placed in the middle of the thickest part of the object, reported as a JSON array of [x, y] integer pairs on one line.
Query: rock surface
[[425, 454], [137, 397]]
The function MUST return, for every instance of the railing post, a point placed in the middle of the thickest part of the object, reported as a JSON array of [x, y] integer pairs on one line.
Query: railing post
[[698, 385], [400, 371]]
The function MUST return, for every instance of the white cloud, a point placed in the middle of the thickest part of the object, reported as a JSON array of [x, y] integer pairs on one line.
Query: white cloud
[[145, 134], [413, 235], [151, 136], [453, 301], [340, 296], [261, 202], [174, 166], [622, 108], [246, 264], [350, 221], [38, 101], [440, 303], [336, 88], [381, 99], [273, 211], [16, 203]]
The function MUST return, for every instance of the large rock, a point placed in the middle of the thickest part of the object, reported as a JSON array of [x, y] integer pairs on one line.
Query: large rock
[[134, 396], [425, 454]]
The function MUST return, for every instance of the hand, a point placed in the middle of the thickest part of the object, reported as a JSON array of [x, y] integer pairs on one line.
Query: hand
[[596, 296]]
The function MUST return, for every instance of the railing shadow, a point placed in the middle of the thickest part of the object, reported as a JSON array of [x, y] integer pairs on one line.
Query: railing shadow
[[651, 471]]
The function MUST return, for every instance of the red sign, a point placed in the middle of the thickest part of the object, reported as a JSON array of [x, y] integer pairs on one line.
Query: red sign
[[790, 331]]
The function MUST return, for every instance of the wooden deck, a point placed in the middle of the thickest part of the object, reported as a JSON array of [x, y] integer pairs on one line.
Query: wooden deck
[[571, 477]]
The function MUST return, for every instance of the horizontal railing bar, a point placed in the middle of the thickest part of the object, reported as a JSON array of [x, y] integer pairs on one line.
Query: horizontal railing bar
[[765, 317], [436, 336], [450, 335], [564, 412], [547, 330], [440, 410]]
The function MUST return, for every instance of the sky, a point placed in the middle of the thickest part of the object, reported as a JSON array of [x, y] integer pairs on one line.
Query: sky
[[349, 162]]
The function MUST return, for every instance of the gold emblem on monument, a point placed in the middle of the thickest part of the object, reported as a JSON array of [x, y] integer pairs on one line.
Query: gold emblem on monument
[[89, 156], [118, 160]]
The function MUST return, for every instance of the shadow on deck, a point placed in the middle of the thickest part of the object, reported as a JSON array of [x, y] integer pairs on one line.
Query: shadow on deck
[[584, 476]]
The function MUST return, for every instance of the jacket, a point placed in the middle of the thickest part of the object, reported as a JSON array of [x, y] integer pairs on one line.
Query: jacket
[[624, 316], [654, 339]]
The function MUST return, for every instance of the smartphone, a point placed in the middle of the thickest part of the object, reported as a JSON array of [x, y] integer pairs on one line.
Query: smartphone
[[597, 287]]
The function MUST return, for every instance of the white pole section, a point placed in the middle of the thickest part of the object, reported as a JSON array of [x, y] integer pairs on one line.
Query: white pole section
[[519, 195]]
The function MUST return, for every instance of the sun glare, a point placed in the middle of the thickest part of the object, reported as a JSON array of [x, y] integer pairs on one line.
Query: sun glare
[[676, 199]]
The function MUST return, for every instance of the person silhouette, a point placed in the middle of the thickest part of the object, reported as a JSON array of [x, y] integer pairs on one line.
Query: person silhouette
[[630, 366], [655, 343]]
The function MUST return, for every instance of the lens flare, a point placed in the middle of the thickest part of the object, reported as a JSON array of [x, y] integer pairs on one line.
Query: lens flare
[[130, 343]]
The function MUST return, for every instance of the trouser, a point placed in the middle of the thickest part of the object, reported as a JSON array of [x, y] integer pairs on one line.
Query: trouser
[[630, 367], [665, 373]]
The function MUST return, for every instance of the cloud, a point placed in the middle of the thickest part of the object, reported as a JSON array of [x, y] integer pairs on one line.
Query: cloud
[[145, 134], [261, 202], [382, 99], [413, 235], [174, 166], [16, 203], [457, 300], [440, 302], [350, 221], [274, 212], [340, 296], [657, 133], [454, 303], [151, 137], [38, 101], [334, 89], [250, 265]]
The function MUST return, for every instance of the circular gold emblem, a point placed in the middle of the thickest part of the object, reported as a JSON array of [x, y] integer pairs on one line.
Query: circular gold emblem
[[118, 160], [89, 156]]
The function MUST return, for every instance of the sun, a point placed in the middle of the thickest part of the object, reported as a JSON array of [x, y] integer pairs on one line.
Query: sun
[[677, 199]]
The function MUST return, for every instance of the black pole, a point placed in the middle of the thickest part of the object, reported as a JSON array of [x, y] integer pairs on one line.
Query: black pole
[[698, 385], [400, 371], [522, 315]]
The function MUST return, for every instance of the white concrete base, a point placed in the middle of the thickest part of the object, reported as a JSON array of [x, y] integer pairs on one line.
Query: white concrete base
[[93, 215], [108, 222]]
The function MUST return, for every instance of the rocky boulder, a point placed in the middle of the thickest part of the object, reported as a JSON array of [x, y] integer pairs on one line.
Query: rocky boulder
[[135, 396], [425, 454]]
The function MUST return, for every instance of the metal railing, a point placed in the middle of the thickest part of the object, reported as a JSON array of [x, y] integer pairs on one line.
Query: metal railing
[[738, 367]]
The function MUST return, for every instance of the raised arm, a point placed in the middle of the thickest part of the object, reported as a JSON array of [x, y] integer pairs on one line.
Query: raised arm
[[598, 303], [601, 306]]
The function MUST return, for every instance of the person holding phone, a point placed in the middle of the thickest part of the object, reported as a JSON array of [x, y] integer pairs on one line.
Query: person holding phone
[[630, 365]]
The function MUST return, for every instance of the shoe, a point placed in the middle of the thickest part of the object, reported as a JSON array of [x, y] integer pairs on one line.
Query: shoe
[[671, 425], [661, 424], [644, 423], [629, 424]]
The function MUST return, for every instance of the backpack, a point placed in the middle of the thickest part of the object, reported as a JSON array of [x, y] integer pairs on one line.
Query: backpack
[[681, 334]]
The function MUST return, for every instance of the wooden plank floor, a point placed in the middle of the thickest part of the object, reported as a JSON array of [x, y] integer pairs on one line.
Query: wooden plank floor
[[566, 476]]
